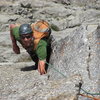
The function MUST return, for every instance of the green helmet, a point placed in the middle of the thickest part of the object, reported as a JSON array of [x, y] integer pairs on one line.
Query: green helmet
[[25, 29]]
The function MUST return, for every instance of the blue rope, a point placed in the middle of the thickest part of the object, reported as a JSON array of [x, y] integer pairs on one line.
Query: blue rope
[[65, 77], [55, 69]]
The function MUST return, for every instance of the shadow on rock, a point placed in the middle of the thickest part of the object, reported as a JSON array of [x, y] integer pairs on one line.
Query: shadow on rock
[[29, 68]]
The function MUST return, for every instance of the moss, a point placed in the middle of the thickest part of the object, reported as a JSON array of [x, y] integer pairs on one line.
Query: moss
[[54, 27]]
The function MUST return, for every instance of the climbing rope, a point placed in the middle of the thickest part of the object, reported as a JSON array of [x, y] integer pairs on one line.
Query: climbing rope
[[55, 69], [87, 93], [90, 93], [80, 84], [89, 97], [94, 98]]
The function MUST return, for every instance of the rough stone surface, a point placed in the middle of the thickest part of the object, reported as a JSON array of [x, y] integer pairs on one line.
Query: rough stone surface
[[78, 53]]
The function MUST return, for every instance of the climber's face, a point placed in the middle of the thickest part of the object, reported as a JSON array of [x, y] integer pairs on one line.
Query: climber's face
[[27, 39]]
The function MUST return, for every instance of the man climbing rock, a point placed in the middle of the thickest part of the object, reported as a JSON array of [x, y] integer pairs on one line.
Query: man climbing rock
[[34, 39]]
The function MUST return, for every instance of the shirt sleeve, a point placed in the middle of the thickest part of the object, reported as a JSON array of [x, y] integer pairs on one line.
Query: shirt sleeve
[[41, 50], [15, 32]]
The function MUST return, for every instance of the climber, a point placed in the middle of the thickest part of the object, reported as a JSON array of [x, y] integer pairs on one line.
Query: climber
[[33, 39]]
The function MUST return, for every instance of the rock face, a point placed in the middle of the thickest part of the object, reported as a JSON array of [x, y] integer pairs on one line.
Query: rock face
[[75, 50], [78, 54]]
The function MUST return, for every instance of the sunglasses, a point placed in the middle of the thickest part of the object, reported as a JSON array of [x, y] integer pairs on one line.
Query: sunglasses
[[27, 36]]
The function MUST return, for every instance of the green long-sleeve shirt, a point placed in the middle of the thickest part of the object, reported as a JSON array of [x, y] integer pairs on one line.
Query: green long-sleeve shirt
[[41, 49]]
